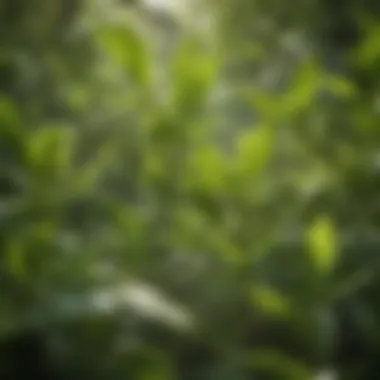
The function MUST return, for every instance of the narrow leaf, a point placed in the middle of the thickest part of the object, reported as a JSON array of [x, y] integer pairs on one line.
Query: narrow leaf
[[322, 244]]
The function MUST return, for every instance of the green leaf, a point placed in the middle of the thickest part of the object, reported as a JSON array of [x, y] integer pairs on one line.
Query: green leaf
[[207, 169], [9, 115], [50, 148], [158, 367], [94, 170], [194, 72], [340, 86], [12, 141], [254, 148], [265, 103], [271, 302], [304, 89], [127, 48], [16, 258], [368, 53], [277, 365], [322, 244]]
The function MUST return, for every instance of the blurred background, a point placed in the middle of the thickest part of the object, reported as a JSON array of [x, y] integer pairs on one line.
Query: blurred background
[[189, 189]]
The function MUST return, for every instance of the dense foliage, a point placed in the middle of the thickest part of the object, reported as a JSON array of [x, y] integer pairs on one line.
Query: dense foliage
[[189, 190]]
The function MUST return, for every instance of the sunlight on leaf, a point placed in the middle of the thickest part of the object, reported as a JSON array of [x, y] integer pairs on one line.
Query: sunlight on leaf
[[270, 302], [194, 71], [322, 244], [126, 47]]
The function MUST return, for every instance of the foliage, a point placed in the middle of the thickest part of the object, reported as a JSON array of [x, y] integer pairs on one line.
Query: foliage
[[187, 203]]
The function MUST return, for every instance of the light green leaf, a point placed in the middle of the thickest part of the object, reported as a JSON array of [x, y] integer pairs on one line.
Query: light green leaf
[[51, 147], [194, 72], [322, 244], [254, 148], [128, 49], [304, 89], [208, 169], [271, 302]]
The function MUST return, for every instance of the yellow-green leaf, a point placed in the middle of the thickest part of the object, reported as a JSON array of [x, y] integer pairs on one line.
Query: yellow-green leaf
[[194, 72], [322, 244], [304, 89], [270, 302], [255, 148], [127, 49], [208, 169], [51, 147]]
